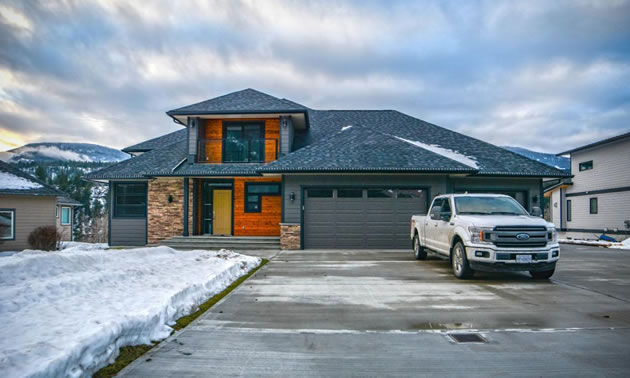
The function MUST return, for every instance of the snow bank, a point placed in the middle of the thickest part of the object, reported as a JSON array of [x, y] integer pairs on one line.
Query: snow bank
[[73, 245], [67, 313], [11, 181], [453, 155], [598, 243], [623, 245]]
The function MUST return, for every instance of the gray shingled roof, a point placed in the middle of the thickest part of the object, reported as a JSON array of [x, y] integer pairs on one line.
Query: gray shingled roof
[[374, 143], [42, 188], [65, 200], [245, 101], [158, 142], [361, 149]]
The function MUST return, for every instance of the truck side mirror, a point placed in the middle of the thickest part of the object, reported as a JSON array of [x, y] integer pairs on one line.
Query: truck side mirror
[[536, 211], [435, 215]]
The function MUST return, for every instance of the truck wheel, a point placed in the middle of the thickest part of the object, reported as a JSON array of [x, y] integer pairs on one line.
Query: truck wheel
[[545, 274], [459, 261], [418, 250]]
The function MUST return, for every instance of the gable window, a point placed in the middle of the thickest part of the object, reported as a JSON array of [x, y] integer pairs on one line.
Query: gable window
[[254, 193], [593, 205], [243, 142], [568, 210], [585, 166], [130, 200], [65, 216], [7, 224]]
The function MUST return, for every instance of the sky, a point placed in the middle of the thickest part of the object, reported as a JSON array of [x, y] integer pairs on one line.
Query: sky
[[544, 75]]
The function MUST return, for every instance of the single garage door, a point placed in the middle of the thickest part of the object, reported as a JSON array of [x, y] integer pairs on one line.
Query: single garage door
[[360, 217]]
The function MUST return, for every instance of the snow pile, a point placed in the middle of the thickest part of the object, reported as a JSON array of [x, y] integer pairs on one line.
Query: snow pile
[[595, 243], [66, 314], [73, 245], [346, 128], [623, 245], [11, 181], [453, 155]]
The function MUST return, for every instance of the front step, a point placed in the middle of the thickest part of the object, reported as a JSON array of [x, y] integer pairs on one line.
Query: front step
[[219, 242]]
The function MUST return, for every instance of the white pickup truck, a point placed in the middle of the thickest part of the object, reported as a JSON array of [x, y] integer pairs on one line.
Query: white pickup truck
[[486, 232]]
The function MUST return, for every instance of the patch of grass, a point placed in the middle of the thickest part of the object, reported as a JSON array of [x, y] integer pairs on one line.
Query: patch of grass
[[129, 354]]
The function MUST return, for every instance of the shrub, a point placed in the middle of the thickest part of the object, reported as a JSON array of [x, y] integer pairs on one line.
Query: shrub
[[45, 238]]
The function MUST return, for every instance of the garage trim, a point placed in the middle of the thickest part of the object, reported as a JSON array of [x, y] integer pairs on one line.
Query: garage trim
[[304, 188]]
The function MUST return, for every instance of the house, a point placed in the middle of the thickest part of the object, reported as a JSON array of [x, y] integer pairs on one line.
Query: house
[[64, 214], [248, 164], [597, 198], [27, 203]]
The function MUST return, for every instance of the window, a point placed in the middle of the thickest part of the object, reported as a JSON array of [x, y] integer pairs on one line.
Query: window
[[130, 200], [488, 206], [585, 166], [254, 193], [243, 142], [437, 206], [593, 205], [411, 193], [65, 216], [349, 193], [380, 193], [319, 193], [7, 224], [568, 210]]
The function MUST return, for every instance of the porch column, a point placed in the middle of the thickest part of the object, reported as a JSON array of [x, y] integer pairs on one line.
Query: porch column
[[185, 206]]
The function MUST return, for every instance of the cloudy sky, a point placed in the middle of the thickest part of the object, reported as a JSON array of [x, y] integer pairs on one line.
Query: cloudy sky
[[546, 75]]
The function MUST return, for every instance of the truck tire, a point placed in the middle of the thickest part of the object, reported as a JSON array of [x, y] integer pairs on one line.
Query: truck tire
[[418, 250], [544, 275], [459, 262]]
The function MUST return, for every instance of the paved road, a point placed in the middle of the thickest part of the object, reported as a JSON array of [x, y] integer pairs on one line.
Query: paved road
[[381, 313]]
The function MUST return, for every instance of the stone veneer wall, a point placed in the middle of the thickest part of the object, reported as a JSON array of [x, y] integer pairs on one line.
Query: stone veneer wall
[[164, 219], [289, 236]]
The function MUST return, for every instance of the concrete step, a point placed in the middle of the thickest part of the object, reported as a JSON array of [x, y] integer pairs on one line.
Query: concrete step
[[227, 242], [216, 246], [227, 239]]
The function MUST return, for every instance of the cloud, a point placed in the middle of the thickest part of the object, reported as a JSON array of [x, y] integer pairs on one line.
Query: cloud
[[538, 74]]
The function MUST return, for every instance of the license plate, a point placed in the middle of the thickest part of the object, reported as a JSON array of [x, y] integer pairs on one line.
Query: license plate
[[523, 258]]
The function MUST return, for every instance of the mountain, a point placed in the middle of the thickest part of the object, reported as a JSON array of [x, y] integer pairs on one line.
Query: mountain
[[549, 159], [66, 152]]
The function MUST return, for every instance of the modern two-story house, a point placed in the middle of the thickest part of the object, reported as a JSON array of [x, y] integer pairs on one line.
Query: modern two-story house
[[597, 197], [248, 164]]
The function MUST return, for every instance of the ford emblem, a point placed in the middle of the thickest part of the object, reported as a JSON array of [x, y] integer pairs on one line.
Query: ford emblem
[[522, 236]]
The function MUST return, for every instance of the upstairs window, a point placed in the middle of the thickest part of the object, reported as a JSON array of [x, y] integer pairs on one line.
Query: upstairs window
[[243, 142], [254, 193], [568, 210], [130, 200], [7, 224], [585, 166]]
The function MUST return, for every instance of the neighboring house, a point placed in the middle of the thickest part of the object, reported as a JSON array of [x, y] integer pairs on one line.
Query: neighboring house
[[64, 212], [597, 198], [25, 204], [250, 164]]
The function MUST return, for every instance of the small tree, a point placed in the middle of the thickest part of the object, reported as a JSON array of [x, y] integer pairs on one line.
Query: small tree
[[45, 238]]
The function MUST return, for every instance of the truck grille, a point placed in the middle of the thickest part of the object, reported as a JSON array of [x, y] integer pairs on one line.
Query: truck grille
[[520, 236]]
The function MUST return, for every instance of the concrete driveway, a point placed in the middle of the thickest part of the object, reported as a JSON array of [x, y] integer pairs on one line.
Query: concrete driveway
[[381, 313]]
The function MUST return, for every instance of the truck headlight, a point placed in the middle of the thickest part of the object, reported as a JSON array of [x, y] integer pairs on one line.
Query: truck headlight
[[552, 235], [481, 234]]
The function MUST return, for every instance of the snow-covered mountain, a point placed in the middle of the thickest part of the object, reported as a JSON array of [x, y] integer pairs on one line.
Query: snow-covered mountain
[[49, 152], [545, 158]]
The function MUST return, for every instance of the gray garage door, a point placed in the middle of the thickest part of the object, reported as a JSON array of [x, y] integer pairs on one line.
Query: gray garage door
[[360, 217]]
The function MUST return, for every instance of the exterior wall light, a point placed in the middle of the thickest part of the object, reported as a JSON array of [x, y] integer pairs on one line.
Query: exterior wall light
[[292, 196]]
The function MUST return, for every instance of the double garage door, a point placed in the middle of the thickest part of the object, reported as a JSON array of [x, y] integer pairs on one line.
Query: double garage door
[[361, 217]]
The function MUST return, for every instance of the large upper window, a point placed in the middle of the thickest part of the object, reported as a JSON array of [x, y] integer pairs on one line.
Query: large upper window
[[244, 142], [585, 166], [488, 205], [7, 224], [130, 200], [65, 216], [254, 193]]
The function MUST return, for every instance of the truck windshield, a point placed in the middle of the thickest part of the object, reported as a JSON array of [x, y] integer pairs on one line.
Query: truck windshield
[[488, 206]]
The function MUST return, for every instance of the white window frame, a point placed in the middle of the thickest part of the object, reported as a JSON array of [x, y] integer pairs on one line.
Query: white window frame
[[12, 211], [56, 211], [69, 216]]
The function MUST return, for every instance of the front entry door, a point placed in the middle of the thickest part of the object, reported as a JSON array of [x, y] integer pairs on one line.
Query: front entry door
[[222, 207]]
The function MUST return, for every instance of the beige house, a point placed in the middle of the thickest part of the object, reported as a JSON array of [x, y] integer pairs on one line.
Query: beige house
[[597, 198], [64, 213], [25, 204]]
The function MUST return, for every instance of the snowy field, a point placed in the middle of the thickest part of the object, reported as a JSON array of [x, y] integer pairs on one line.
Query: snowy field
[[65, 314]]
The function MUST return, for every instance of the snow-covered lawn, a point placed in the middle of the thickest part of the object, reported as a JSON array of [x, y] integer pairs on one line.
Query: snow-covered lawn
[[67, 313], [598, 243]]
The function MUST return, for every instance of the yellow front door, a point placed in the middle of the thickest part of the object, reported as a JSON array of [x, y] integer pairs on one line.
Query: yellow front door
[[222, 219]]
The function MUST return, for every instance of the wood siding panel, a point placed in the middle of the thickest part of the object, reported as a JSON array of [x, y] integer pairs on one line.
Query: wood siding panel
[[213, 130], [265, 223], [272, 131], [30, 212]]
